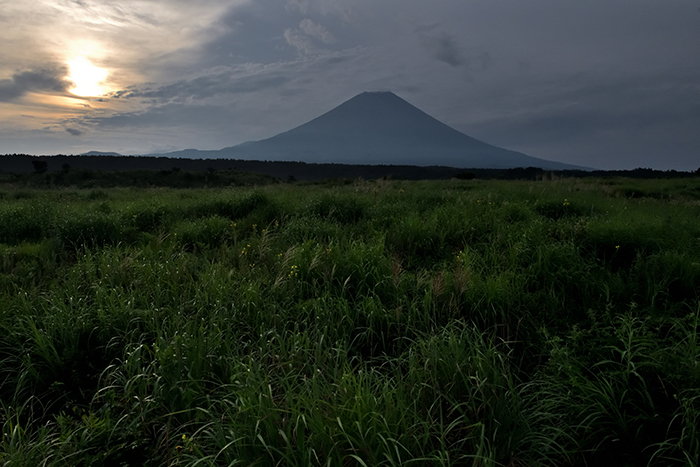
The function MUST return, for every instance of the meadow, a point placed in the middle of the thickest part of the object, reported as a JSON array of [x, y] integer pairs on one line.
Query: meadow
[[372, 323]]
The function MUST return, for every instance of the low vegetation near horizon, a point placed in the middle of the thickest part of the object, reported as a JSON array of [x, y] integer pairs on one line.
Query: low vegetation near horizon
[[458, 322]]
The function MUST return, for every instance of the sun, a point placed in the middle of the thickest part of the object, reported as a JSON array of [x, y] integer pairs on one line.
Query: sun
[[87, 78]]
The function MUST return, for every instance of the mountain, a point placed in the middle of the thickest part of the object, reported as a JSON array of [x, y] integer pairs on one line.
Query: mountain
[[100, 153], [377, 128]]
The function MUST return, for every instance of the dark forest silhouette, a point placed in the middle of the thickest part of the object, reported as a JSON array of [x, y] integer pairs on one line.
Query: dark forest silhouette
[[112, 170]]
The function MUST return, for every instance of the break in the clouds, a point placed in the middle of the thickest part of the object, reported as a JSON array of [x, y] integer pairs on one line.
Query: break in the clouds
[[597, 83]]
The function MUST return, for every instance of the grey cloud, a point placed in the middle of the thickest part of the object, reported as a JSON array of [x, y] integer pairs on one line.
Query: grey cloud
[[326, 8], [301, 5], [267, 31], [225, 82], [108, 12], [170, 115], [257, 101], [181, 125], [220, 82], [441, 46], [41, 80], [316, 30], [74, 132], [648, 116], [254, 33], [125, 93], [304, 39], [299, 41]]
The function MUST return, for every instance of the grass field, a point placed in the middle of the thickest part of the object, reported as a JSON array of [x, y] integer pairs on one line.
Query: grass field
[[375, 323]]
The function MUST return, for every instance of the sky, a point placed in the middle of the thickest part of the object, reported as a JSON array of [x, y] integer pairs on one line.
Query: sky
[[608, 84]]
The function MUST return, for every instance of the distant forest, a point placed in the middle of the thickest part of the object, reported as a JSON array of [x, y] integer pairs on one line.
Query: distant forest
[[112, 170]]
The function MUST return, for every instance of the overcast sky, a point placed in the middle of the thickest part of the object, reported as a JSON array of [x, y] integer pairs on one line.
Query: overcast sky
[[601, 83]]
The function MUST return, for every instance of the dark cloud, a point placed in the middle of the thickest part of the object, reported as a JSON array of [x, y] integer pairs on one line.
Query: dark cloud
[[639, 117], [41, 80], [577, 105], [254, 32], [125, 93], [74, 132], [268, 31]]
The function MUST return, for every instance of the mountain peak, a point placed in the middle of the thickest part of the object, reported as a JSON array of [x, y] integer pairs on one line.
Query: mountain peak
[[375, 95], [374, 113], [376, 98]]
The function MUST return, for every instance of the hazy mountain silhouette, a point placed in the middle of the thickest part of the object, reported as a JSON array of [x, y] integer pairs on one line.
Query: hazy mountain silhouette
[[377, 128], [100, 153]]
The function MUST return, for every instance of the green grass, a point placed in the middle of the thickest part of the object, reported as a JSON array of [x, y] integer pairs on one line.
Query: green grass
[[371, 323]]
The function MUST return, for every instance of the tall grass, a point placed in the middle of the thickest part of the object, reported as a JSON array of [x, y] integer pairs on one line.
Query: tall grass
[[374, 323]]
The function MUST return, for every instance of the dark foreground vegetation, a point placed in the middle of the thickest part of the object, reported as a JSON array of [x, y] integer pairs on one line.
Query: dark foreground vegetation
[[90, 171], [374, 323]]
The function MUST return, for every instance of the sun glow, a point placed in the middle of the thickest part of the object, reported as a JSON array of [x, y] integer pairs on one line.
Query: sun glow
[[88, 78]]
